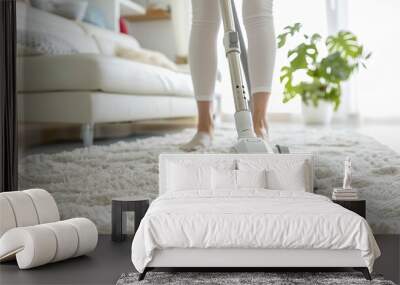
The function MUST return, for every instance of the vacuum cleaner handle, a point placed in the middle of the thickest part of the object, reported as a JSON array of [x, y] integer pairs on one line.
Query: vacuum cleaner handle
[[243, 50], [246, 143]]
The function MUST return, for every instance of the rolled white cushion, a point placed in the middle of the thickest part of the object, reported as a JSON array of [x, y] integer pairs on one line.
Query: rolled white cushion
[[33, 246], [87, 234], [46, 207], [7, 218], [23, 208], [37, 245], [67, 240]]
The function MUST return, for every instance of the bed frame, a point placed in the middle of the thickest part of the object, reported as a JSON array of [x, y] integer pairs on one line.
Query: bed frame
[[233, 259], [245, 259]]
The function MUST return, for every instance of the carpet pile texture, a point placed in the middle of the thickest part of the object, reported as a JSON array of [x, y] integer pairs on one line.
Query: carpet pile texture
[[268, 278], [84, 181]]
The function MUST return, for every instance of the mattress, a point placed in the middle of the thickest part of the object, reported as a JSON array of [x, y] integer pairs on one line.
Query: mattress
[[94, 72], [255, 218]]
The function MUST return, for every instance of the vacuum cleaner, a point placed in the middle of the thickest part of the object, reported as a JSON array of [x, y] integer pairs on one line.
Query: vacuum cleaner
[[236, 55]]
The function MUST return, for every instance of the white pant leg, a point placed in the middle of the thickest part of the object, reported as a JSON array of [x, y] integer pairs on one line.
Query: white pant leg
[[203, 57], [258, 20], [259, 24]]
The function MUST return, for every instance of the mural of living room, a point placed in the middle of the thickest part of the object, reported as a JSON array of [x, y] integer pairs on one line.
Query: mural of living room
[[104, 87]]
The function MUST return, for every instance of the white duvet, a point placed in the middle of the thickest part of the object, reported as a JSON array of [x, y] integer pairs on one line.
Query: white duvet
[[250, 219]]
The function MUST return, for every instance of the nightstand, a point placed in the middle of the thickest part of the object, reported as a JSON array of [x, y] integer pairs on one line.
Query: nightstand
[[120, 206], [356, 206]]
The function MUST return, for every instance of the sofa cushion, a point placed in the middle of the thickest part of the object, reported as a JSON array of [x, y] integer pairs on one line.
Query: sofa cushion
[[91, 72], [108, 41], [41, 24]]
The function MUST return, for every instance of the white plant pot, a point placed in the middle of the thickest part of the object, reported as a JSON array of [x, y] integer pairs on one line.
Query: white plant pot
[[320, 115]]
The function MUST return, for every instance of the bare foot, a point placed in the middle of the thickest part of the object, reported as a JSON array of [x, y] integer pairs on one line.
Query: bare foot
[[261, 128], [199, 141]]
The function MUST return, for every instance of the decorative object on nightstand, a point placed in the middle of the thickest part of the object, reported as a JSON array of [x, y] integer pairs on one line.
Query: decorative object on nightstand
[[356, 206], [120, 206], [346, 192]]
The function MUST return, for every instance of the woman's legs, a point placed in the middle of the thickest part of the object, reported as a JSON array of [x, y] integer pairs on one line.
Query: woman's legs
[[259, 24], [205, 117], [203, 66], [258, 20]]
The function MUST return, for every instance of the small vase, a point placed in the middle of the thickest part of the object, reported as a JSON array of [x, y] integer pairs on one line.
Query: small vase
[[320, 115]]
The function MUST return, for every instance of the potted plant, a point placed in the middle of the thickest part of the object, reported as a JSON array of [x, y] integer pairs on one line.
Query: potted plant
[[317, 68]]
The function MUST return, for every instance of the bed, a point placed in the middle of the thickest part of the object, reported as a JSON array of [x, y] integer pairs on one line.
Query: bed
[[247, 211]]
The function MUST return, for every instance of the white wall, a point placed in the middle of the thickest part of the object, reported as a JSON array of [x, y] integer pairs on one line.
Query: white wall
[[155, 35], [168, 36]]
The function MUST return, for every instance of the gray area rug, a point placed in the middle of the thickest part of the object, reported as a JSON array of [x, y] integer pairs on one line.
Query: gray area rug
[[290, 278], [84, 181]]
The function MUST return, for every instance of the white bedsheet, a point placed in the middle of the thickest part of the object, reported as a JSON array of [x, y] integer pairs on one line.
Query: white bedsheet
[[250, 219]]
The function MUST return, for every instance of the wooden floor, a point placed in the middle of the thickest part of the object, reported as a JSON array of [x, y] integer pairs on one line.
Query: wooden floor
[[110, 260]]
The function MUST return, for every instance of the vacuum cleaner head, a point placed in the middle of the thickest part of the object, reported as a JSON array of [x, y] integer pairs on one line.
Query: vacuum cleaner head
[[253, 145], [258, 145]]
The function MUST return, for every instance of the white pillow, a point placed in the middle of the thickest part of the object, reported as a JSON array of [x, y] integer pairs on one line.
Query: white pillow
[[291, 177], [251, 178], [282, 173], [223, 179], [183, 177]]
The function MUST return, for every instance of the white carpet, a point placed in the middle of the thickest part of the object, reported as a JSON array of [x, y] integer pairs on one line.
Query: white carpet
[[83, 181]]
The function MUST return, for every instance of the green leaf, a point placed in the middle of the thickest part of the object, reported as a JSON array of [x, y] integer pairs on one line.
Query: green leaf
[[288, 30], [282, 40], [302, 55], [346, 43], [293, 29], [335, 68], [315, 38]]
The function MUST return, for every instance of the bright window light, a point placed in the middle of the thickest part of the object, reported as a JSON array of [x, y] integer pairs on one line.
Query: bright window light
[[312, 15], [377, 24]]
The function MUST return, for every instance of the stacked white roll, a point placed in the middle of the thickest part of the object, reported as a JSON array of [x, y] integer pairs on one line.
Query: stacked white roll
[[41, 244], [31, 232]]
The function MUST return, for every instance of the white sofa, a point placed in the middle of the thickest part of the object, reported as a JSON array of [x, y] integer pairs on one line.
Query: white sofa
[[31, 231], [83, 81]]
